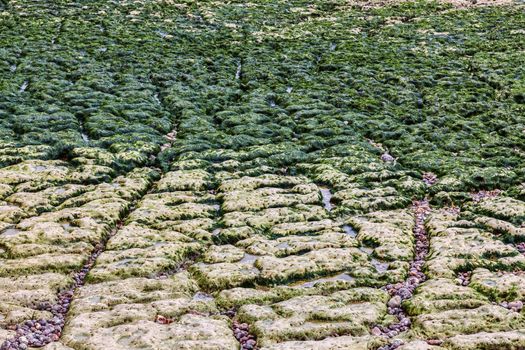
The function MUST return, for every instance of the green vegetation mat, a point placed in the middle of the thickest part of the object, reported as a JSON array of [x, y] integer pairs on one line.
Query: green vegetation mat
[[277, 175]]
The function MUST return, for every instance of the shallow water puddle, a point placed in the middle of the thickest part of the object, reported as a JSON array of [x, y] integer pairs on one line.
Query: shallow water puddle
[[340, 277], [156, 98], [238, 73], [380, 266], [162, 34], [366, 250], [490, 283], [327, 196], [37, 168], [201, 296], [24, 86], [68, 227], [10, 232], [349, 231], [248, 258], [283, 245]]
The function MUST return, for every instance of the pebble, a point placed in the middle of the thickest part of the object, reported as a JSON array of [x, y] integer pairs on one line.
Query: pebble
[[515, 305], [405, 293], [395, 301], [376, 331], [241, 333], [397, 342], [385, 157], [392, 334], [405, 321], [413, 281]]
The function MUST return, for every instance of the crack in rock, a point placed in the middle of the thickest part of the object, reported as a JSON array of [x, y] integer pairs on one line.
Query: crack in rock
[[404, 290]]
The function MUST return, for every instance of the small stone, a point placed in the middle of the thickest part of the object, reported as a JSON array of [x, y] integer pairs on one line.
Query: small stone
[[413, 280], [385, 157], [376, 331], [395, 302], [250, 345], [404, 293], [405, 322], [162, 320], [516, 305], [396, 343]]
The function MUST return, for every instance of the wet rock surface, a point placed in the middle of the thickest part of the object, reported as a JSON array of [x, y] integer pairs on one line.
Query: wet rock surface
[[215, 176]]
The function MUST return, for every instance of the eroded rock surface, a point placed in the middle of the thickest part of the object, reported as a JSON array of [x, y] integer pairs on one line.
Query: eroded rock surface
[[262, 175]]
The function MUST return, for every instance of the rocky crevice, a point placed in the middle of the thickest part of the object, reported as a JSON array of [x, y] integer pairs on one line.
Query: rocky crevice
[[241, 332], [402, 291], [38, 333]]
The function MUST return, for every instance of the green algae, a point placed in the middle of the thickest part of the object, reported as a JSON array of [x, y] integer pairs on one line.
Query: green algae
[[248, 108]]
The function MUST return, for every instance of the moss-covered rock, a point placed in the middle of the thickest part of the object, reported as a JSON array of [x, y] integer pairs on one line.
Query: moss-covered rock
[[449, 323]]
